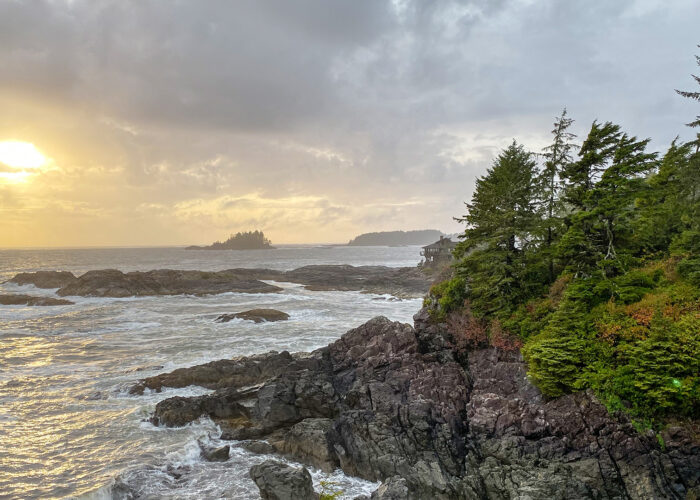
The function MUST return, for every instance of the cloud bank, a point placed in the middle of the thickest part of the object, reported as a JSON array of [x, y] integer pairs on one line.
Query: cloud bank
[[180, 122]]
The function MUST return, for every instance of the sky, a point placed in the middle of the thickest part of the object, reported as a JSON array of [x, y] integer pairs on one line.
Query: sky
[[174, 123]]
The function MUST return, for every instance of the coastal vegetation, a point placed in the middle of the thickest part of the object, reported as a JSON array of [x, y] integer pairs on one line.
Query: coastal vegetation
[[248, 240], [395, 238], [588, 259]]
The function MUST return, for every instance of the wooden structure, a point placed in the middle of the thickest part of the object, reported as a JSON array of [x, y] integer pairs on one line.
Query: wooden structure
[[438, 252]]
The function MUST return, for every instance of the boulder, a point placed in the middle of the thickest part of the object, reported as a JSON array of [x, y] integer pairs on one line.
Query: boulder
[[278, 481], [220, 454], [256, 315], [30, 300], [258, 447], [44, 279]]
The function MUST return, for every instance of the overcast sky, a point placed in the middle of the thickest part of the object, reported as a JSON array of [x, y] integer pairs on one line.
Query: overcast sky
[[313, 120]]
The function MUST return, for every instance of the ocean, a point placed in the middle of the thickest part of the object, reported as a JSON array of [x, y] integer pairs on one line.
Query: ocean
[[69, 428]]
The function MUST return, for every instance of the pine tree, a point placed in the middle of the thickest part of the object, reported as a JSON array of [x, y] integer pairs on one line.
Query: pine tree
[[557, 158], [501, 220]]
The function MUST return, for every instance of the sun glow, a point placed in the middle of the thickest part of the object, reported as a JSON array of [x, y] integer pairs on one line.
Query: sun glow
[[18, 154]]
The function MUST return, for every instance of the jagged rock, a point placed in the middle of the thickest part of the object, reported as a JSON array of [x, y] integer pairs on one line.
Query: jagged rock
[[394, 488], [308, 442], [223, 404], [394, 403], [278, 481], [44, 279], [220, 454], [31, 300], [256, 315], [237, 372]]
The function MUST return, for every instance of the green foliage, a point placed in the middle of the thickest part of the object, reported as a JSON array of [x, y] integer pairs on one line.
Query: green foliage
[[249, 240], [500, 219], [599, 280], [445, 297], [330, 491]]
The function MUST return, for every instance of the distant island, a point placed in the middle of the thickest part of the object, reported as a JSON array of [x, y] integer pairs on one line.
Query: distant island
[[249, 240], [396, 238]]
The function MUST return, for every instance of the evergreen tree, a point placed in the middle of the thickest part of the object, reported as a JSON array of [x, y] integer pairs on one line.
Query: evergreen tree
[[501, 220], [614, 200], [595, 154], [695, 96], [557, 158], [602, 227], [664, 204]]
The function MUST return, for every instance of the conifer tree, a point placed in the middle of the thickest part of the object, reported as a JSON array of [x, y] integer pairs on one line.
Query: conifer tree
[[610, 175], [557, 158], [501, 220], [695, 96], [594, 156]]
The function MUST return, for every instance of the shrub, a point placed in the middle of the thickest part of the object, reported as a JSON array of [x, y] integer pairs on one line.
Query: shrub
[[467, 331], [446, 297]]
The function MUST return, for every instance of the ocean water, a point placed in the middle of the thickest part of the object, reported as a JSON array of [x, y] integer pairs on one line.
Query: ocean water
[[68, 427]]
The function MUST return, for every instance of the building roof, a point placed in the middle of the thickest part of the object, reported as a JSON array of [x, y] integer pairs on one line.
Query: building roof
[[443, 242]]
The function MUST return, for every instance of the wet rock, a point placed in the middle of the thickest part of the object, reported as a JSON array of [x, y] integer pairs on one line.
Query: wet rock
[[258, 447], [308, 442], [31, 300], [405, 282], [256, 315], [44, 279], [114, 283], [220, 454], [394, 403], [278, 481], [394, 488], [223, 404], [237, 372]]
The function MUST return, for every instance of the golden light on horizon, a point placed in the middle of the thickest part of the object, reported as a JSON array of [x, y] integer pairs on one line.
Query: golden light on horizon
[[21, 155]]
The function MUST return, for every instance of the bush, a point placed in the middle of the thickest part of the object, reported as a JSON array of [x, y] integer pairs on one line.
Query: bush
[[446, 297]]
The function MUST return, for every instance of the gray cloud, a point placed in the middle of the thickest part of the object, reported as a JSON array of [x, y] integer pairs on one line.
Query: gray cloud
[[352, 102]]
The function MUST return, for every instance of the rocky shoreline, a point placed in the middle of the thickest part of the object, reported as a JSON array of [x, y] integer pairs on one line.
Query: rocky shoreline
[[392, 402], [404, 282]]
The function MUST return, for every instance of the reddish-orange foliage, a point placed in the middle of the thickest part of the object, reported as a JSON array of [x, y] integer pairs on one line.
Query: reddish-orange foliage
[[467, 331], [642, 315], [502, 339]]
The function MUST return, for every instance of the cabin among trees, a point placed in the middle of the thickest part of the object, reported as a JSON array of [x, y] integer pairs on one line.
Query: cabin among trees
[[438, 252]]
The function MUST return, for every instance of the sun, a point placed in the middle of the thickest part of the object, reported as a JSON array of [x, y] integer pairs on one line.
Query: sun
[[19, 154]]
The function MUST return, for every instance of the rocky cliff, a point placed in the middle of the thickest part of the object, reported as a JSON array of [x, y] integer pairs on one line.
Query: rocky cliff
[[391, 402]]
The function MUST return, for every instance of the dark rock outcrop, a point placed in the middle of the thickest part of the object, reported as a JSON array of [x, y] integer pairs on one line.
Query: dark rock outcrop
[[278, 481], [220, 454], [400, 282], [404, 282], [394, 403], [31, 300], [45, 279], [114, 283], [237, 372], [256, 315]]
